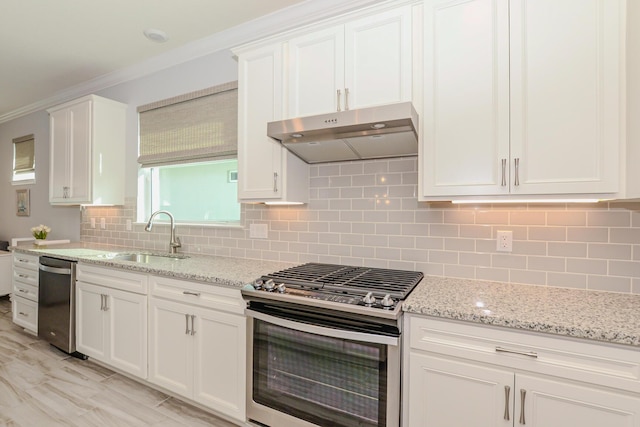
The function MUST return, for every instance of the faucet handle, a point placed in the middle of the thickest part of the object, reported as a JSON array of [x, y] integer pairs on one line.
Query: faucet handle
[[177, 243]]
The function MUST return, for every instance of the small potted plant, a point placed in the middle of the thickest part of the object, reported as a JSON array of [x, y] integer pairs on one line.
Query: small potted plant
[[40, 232]]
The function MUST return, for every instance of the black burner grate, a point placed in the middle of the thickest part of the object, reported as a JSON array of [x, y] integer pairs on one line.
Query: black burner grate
[[349, 279]]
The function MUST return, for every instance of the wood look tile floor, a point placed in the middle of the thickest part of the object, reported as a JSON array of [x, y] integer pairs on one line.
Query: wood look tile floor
[[42, 386]]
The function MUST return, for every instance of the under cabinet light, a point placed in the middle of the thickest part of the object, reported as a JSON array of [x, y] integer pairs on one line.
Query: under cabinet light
[[492, 201], [283, 203]]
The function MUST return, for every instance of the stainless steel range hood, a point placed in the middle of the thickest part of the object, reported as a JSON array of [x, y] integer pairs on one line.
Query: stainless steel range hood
[[368, 133]]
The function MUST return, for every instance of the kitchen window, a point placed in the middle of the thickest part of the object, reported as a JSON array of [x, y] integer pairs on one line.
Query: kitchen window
[[188, 157], [24, 160]]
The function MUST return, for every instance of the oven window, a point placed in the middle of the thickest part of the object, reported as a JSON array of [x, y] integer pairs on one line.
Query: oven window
[[324, 380]]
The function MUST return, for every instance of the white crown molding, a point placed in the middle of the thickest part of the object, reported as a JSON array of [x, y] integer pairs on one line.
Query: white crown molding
[[284, 20]]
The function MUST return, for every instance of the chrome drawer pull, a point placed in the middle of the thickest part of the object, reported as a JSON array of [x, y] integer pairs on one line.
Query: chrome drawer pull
[[516, 162], [195, 294], [23, 260], [507, 391], [521, 353], [186, 319], [193, 327], [503, 183], [23, 314], [338, 100], [23, 291], [23, 276], [523, 394], [346, 99]]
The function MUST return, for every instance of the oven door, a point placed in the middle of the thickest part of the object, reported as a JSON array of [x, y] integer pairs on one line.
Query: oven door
[[313, 368]]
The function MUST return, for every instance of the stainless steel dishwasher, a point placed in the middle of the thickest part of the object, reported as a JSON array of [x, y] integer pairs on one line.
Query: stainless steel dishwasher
[[56, 304]]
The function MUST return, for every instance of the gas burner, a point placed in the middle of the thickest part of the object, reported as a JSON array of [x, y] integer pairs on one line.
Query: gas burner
[[338, 287]]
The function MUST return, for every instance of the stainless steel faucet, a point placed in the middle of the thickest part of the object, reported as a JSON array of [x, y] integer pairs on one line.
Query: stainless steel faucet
[[174, 243]]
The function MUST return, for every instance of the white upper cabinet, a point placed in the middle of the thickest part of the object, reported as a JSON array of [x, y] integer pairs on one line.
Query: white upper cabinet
[[363, 63], [87, 140], [522, 98], [267, 172]]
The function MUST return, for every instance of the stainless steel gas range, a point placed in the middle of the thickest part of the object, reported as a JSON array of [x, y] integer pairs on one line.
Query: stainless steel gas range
[[324, 345]]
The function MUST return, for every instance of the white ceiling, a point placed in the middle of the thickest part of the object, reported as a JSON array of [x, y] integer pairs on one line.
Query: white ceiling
[[49, 46]]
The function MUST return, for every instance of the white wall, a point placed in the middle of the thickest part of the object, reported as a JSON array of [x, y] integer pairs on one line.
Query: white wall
[[197, 74], [64, 221]]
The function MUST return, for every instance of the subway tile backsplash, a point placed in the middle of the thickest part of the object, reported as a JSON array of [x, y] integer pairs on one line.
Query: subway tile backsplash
[[367, 213]]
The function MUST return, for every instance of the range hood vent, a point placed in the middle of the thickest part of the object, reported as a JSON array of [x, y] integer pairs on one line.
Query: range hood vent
[[368, 133]]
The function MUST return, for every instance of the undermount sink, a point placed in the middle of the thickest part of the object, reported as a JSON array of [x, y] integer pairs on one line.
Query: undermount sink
[[144, 258]]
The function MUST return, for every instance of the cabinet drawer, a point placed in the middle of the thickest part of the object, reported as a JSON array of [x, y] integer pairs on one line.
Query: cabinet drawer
[[25, 290], [197, 293], [28, 262], [113, 278], [27, 277], [582, 360], [25, 313]]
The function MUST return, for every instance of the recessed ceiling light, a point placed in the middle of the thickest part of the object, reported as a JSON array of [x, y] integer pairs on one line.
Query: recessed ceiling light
[[156, 35]]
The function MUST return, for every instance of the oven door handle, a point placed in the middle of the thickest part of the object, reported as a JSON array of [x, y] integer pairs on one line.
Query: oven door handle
[[320, 330]]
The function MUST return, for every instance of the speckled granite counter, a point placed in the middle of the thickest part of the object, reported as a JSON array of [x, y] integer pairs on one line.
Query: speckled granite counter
[[224, 271], [602, 316]]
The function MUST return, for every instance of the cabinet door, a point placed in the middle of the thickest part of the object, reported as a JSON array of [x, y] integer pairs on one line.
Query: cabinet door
[[90, 321], [220, 362], [377, 57], [259, 102], [450, 393], [316, 73], [170, 347], [127, 331], [566, 67], [70, 145], [466, 98], [59, 155], [553, 403]]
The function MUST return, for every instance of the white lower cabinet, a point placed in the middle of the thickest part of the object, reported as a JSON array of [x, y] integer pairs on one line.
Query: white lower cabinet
[[197, 342], [458, 375], [24, 299], [111, 324]]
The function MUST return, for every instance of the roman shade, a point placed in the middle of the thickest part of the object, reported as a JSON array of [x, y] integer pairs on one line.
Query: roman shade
[[23, 155], [197, 126]]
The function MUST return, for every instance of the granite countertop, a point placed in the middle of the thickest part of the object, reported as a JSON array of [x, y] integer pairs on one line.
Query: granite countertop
[[602, 316], [234, 272]]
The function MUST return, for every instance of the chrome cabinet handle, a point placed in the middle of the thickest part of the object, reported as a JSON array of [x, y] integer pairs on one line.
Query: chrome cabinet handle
[[193, 327], [346, 99], [186, 321], [106, 303], [65, 192], [196, 294], [507, 392], [101, 302], [338, 93], [516, 164], [523, 394], [24, 276], [23, 314], [521, 353], [23, 291], [23, 260], [504, 173], [275, 182]]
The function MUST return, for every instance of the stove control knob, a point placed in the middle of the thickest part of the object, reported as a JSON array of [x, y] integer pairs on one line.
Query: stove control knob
[[269, 285], [282, 288], [387, 301], [257, 285], [369, 299]]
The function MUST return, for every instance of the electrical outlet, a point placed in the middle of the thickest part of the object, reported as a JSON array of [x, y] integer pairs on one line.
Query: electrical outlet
[[504, 241], [258, 231]]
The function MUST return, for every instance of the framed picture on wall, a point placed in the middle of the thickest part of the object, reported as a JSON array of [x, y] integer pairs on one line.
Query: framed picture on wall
[[22, 203]]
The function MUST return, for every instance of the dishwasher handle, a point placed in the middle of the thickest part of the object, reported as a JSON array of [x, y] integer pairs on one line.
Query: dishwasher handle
[[55, 270]]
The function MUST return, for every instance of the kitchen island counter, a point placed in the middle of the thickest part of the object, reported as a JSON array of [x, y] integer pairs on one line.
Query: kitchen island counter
[[234, 272], [602, 316]]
